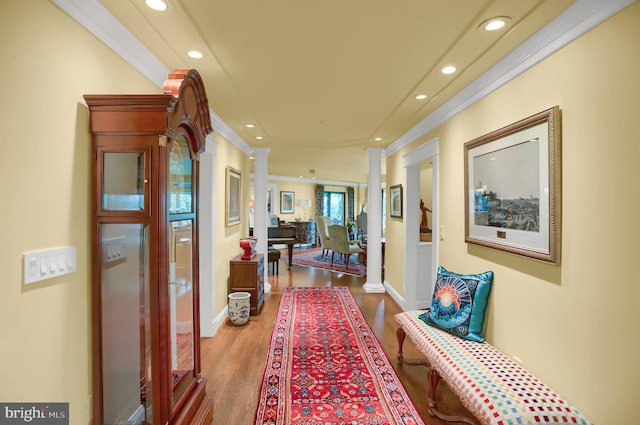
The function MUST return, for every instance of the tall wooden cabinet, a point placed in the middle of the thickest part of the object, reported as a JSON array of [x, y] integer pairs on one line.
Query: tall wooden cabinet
[[146, 344]]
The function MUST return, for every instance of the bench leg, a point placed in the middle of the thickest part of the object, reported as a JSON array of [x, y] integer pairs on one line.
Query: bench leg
[[433, 379], [400, 335]]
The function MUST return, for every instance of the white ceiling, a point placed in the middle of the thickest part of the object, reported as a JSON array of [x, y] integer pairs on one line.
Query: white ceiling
[[320, 80]]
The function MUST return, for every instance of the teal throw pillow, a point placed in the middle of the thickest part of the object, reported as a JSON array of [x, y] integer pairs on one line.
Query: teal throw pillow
[[459, 303]]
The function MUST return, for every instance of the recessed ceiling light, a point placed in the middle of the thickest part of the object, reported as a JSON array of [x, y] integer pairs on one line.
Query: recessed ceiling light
[[158, 5], [494, 24], [449, 69], [195, 54], [250, 126], [259, 137], [378, 139], [421, 96]]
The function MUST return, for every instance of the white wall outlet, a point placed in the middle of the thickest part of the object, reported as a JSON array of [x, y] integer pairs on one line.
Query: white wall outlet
[[41, 265]]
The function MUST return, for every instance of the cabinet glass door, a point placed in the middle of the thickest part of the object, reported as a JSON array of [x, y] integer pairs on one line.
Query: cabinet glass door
[[181, 259], [124, 181], [126, 314], [181, 327], [180, 172]]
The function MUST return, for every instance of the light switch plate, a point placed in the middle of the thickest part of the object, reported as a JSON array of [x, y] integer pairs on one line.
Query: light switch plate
[[41, 265]]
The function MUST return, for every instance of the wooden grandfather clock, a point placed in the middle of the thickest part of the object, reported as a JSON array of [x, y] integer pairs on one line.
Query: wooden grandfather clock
[[146, 331]]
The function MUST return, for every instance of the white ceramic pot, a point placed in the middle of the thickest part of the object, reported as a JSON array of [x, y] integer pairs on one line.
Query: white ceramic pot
[[239, 307]]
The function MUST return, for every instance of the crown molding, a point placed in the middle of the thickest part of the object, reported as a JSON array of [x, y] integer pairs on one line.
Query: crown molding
[[272, 177], [579, 18], [576, 20], [314, 181], [97, 19], [222, 128]]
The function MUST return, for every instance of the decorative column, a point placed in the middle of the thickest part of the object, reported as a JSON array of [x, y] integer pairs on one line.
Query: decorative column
[[207, 235], [374, 224], [260, 215]]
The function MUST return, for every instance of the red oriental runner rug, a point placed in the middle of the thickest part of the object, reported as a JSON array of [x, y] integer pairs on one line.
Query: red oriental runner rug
[[326, 366], [315, 259]]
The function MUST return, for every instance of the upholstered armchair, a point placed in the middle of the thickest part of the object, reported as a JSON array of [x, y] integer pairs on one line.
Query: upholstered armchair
[[322, 224], [340, 244], [361, 221]]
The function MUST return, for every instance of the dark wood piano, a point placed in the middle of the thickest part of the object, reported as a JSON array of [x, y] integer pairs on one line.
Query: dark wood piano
[[283, 235]]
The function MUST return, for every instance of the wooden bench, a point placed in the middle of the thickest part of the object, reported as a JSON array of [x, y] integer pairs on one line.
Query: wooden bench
[[494, 388]]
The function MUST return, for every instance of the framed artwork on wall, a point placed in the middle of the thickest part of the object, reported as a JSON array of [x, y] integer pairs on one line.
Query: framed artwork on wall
[[287, 202], [512, 188], [395, 201], [233, 197]]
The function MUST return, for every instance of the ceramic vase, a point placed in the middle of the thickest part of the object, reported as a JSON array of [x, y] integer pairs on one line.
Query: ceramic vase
[[239, 307]]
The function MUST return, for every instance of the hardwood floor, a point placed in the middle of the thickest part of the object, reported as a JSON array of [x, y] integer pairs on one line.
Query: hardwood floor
[[233, 360]]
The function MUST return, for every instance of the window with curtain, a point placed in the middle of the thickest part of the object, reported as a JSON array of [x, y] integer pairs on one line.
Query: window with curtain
[[334, 207]]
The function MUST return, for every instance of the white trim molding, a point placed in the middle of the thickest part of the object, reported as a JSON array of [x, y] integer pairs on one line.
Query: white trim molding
[[419, 273], [96, 19], [579, 18]]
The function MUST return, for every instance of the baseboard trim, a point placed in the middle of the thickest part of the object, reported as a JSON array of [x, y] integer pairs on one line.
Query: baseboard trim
[[395, 295], [218, 321]]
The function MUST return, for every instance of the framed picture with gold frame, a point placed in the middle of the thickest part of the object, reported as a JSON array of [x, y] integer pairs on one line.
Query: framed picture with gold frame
[[512, 188], [233, 196], [395, 201]]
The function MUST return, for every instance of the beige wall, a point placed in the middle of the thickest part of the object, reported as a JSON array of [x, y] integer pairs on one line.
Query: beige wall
[[301, 190], [572, 325], [305, 190], [394, 228], [49, 63], [228, 237]]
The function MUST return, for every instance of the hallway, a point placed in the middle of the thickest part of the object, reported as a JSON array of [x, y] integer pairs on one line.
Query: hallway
[[233, 360]]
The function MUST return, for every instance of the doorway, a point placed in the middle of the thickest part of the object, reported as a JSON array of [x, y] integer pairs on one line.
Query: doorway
[[421, 258]]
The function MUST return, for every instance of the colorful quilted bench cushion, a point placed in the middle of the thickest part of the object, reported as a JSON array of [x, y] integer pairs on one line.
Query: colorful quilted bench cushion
[[493, 387]]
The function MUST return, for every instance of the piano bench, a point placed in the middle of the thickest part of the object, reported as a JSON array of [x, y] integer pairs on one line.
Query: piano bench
[[273, 257]]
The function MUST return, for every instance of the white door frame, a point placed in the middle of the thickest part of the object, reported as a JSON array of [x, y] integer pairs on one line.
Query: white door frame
[[412, 298]]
